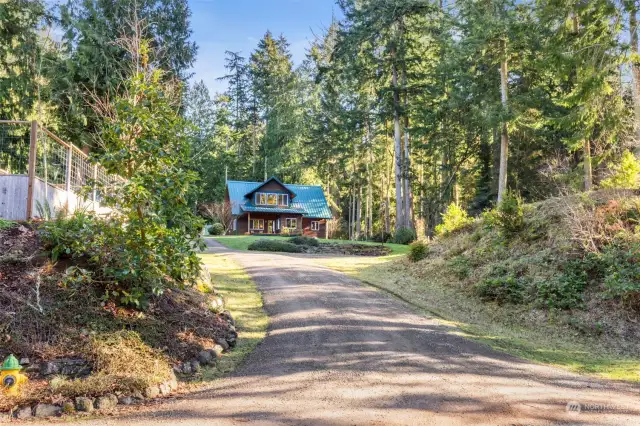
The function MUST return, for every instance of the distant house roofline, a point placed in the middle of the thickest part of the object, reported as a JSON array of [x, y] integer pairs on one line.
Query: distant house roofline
[[271, 179], [310, 200]]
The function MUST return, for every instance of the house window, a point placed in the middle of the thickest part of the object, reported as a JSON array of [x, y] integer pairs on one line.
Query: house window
[[315, 225], [257, 224], [271, 199], [261, 198], [291, 222]]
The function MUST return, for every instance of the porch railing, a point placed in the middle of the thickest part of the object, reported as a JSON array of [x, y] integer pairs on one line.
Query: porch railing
[[46, 171]]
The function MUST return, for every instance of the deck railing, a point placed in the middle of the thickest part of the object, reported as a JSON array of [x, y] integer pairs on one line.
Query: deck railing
[[28, 148]]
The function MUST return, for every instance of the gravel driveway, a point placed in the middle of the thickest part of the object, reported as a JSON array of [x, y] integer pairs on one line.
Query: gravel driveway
[[340, 353]]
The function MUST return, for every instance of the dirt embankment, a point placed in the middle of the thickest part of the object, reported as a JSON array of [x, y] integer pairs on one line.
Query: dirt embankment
[[72, 341]]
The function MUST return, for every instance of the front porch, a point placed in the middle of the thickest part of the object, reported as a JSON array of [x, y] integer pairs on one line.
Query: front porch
[[270, 224]]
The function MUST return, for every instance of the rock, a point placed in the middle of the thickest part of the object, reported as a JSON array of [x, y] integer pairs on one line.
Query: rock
[[195, 366], [138, 395], [186, 368], [227, 315], [23, 413], [46, 410], [172, 383], [68, 407], [164, 389], [205, 357], [106, 402], [48, 368], [151, 392], [231, 341], [126, 400], [67, 367], [177, 368], [24, 362], [223, 343], [217, 351], [84, 404]]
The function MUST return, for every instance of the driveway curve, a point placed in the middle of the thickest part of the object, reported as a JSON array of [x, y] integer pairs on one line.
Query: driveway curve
[[341, 353]]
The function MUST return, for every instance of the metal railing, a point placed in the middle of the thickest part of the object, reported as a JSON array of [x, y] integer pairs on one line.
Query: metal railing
[[31, 149]]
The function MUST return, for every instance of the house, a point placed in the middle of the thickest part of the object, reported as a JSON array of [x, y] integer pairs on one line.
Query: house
[[272, 207]]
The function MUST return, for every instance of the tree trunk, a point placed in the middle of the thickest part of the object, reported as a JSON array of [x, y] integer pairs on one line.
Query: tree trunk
[[359, 213], [635, 71], [408, 208], [588, 172], [349, 220], [400, 221], [406, 169], [369, 206], [504, 138]]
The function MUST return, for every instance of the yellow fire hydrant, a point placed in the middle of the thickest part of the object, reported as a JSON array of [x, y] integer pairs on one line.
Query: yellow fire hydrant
[[10, 377]]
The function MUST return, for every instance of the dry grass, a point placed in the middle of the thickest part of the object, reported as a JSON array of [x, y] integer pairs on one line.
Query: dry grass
[[122, 363]]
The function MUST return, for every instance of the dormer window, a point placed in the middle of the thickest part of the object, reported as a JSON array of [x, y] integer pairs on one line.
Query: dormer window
[[271, 199]]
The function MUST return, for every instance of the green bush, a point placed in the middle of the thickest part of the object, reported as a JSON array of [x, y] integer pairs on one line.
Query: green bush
[[274, 245], [460, 266], [621, 264], [404, 236], [454, 219], [302, 240], [418, 250], [506, 289], [128, 271], [567, 290], [216, 229], [624, 174], [150, 243], [508, 217]]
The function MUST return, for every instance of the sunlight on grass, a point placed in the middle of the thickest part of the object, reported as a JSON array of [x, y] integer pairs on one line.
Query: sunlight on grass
[[434, 294], [242, 242], [244, 302]]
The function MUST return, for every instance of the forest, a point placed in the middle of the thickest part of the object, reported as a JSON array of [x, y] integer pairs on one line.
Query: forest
[[400, 108]]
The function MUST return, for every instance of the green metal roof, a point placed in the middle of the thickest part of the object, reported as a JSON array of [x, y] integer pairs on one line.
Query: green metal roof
[[309, 199]]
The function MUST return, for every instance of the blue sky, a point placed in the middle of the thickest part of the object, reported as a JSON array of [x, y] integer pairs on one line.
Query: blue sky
[[237, 25]]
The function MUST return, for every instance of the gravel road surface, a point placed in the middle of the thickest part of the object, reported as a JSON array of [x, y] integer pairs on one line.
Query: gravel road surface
[[340, 353]]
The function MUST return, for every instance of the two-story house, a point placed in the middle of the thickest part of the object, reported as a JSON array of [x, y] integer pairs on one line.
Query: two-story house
[[272, 207]]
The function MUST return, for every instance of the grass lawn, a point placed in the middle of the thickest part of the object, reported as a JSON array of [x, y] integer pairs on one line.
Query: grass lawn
[[489, 323], [241, 242], [244, 302]]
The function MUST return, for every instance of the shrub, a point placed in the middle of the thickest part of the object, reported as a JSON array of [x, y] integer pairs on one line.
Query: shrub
[[621, 264], [274, 245], [454, 219], [302, 240], [381, 237], [129, 271], [418, 250], [507, 289], [149, 244], [624, 174], [404, 236], [508, 217], [216, 229], [460, 266], [567, 290]]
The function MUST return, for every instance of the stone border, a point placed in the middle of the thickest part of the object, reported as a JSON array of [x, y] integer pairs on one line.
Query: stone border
[[86, 405], [82, 404]]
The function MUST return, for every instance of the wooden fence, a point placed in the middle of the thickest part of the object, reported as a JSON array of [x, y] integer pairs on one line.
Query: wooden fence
[[41, 174]]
